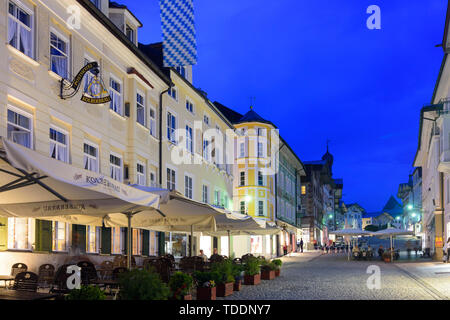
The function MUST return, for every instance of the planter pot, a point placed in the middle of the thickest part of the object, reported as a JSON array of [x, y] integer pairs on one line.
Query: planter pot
[[225, 290], [268, 275], [237, 286], [277, 273], [387, 260], [206, 293], [252, 280]]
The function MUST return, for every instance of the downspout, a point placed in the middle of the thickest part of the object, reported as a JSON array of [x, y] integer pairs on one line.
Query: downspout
[[160, 131]]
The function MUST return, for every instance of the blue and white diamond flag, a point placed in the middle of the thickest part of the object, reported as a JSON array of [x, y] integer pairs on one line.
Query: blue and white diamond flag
[[178, 30]]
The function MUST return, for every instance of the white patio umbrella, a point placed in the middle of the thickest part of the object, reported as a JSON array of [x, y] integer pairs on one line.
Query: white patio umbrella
[[36, 186], [391, 233], [351, 233]]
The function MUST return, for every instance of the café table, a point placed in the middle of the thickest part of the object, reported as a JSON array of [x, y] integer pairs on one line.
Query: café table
[[25, 295]]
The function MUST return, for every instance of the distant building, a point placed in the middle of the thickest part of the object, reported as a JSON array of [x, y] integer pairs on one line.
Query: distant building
[[353, 216]]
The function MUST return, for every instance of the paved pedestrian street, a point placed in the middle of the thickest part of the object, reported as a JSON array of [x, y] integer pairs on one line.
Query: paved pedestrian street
[[313, 276]]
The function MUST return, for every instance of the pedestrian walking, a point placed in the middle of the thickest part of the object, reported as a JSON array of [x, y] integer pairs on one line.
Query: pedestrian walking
[[285, 250], [301, 245], [447, 250]]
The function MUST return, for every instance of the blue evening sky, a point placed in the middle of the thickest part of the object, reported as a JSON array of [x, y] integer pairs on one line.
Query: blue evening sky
[[318, 73]]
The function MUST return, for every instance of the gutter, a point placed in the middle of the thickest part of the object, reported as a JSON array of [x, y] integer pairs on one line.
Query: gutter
[[160, 132]]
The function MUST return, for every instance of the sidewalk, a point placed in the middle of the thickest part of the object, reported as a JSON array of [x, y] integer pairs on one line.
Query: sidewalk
[[434, 274], [301, 257]]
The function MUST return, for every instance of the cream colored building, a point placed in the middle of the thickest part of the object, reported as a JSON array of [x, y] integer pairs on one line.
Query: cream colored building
[[41, 43]]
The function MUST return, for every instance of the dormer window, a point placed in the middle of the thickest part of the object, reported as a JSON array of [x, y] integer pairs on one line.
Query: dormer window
[[130, 32], [182, 71]]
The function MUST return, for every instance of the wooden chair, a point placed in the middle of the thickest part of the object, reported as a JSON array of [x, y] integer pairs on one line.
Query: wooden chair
[[118, 271], [106, 269], [215, 258], [59, 284], [26, 281], [46, 275], [88, 272], [237, 261], [245, 257]]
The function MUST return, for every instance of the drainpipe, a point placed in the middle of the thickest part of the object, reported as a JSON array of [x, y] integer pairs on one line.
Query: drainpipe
[[160, 132]]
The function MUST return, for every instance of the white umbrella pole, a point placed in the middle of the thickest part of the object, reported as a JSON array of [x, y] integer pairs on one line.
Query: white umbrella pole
[[348, 250], [191, 249], [392, 251], [129, 249], [229, 244]]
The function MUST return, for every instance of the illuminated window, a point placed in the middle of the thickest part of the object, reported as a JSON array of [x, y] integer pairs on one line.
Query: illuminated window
[[20, 128], [303, 190], [115, 167], [93, 239], [117, 239], [137, 242], [91, 158], [20, 28], [140, 109], [60, 238], [115, 90], [59, 145], [19, 234], [243, 208], [59, 55], [188, 187]]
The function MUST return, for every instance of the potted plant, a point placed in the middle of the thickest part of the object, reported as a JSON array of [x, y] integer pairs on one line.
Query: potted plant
[[277, 263], [268, 270], [225, 280], [86, 293], [206, 285], [180, 285], [237, 271], [252, 274], [142, 285]]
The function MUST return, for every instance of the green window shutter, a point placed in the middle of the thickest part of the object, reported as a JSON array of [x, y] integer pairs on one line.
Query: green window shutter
[[161, 243], [126, 241], [43, 237], [3, 234], [106, 240], [146, 243], [81, 232]]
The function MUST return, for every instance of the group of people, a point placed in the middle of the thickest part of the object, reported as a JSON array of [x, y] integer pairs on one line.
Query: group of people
[[205, 257]]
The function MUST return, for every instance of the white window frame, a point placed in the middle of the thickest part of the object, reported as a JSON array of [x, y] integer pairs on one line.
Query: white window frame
[[189, 138], [113, 166], [12, 237], [115, 238], [189, 192], [20, 25], [172, 132], [67, 145], [67, 54], [141, 177], [205, 193], [259, 208], [206, 117], [24, 114], [143, 106], [55, 235], [96, 231], [242, 173], [173, 184], [152, 121], [90, 157], [171, 91], [191, 104], [114, 94]]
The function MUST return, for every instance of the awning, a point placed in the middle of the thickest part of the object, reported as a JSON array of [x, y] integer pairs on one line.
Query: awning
[[35, 186], [351, 232], [392, 232]]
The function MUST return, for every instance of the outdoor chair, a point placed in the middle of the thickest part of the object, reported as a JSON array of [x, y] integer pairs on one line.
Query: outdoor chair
[[46, 275], [18, 268], [88, 272], [106, 269], [215, 258], [26, 281], [246, 257], [59, 284], [118, 271], [237, 261]]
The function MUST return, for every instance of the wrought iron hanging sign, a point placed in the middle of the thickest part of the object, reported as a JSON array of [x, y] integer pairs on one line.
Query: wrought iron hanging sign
[[94, 91]]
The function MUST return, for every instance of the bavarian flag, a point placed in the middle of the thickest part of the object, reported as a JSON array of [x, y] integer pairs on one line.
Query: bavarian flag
[[178, 32]]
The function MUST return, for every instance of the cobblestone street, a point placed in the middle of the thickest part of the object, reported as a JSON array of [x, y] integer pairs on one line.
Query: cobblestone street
[[313, 276]]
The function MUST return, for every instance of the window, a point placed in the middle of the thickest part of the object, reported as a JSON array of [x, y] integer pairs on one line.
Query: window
[[303, 190], [171, 179], [171, 127], [130, 33], [206, 147], [115, 167], [140, 109], [260, 179], [19, 234], [189, 106], [189, 139], [91, 88], [59, 145], [182, 71], [173, 93], [141, 180], [242, 181], [97, 3], [260, 150], [115, 91], [206, 119], [188, 187], [205, 194], [20, 29], [20, 129], [242, 150], [243, 208], [60, 236], [117, 240], [153, 122], [137, 242], [91, 158], [93, 239], [217, 198], [59, 55], [152, 179], [261, 132], [261, 208]]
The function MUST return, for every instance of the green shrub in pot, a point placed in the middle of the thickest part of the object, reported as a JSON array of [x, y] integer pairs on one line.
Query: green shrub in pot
[[142, 285]]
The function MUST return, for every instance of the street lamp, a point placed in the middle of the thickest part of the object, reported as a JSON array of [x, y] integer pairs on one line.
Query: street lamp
[[410, 207]]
